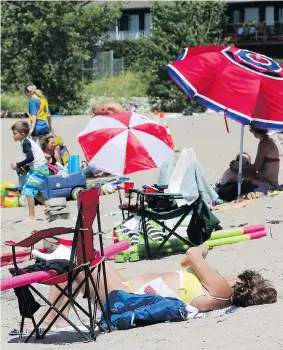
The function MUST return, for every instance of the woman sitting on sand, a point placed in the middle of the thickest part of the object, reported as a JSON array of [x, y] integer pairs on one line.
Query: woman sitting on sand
[[199, 285], [263, 172], [51, 151]]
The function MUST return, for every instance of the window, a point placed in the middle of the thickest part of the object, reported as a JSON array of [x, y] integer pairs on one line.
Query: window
[[134, 23], [281, 15], [252, 14], [147, 21], [269, 15], [236, 16], [124, 23]]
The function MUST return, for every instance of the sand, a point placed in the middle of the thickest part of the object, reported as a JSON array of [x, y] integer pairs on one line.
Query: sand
[[254, 328]]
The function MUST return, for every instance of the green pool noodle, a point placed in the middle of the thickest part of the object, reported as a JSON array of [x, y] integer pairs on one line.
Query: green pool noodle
[[227, 233], [227, 240], [136, 253]]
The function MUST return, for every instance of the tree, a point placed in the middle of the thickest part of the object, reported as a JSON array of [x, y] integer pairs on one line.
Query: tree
[[175, 26], [47, 41]]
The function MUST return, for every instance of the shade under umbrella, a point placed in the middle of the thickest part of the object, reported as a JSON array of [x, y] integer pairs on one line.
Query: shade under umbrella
[[241, 84], [124, 143]]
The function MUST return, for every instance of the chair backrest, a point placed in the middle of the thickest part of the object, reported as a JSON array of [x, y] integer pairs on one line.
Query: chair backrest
[[88, 203]]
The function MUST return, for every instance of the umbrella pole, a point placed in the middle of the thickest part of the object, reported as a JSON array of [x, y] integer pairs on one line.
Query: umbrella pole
[[240, 172]]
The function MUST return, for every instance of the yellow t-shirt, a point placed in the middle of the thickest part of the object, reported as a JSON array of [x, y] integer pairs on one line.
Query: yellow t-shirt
[[39, 107]]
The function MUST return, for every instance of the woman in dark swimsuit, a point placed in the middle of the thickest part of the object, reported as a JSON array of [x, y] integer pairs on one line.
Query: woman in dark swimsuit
[[264, 171]]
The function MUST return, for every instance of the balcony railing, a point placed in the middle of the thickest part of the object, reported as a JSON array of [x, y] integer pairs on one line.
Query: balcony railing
[[128, 35], [254, 32]]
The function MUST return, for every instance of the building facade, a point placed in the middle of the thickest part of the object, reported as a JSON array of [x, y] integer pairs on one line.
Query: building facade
[[254, 25]]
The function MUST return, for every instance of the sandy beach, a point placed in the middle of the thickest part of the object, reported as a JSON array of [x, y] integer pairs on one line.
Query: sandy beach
[[254, 328]]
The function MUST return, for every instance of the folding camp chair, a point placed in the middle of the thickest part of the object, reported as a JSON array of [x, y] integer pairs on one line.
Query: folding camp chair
[[84, 258], [128, 208], [162, 207]]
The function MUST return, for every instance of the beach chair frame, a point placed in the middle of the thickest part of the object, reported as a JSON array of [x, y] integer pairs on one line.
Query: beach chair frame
[[160, 217], [84, 258]]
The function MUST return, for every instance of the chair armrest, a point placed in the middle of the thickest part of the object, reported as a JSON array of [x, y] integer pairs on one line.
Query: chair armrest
[[39, 235], [166, 195]]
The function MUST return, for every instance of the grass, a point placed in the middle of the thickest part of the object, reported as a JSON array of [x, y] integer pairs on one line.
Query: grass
[[14, 102], [126, 86], [120, 88]]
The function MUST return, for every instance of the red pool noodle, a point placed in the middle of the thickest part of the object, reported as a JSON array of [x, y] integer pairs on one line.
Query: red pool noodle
[[257, 235], [116, 248], [25, 279], [253, 228], [40, 276], [22, 253]]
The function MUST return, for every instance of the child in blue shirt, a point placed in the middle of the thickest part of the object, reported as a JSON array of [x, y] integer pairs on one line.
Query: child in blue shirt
[[36, 161]]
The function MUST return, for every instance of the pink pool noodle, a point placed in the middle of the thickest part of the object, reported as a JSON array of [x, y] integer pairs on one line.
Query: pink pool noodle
[[25, 279], [257, 235], [40, 276], [116, 248], [253, 228]]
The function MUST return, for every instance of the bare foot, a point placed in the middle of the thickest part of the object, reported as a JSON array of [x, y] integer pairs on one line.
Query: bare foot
[[28, 220], [60, 323]]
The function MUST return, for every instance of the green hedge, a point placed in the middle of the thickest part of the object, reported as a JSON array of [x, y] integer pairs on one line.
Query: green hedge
[[131, 50], [14, 102]]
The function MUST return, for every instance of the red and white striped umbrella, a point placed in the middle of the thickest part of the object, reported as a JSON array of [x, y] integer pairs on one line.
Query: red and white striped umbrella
[[124, 143]]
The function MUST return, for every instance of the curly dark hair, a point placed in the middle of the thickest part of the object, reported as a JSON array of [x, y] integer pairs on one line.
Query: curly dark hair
[[253, 289]]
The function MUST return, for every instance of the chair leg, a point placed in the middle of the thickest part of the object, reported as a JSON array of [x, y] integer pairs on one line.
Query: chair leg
[[87, 294], [171, 232], [146, 243], [21, 329], [59, 313], [108, 312], [98, 299], [23, 320]]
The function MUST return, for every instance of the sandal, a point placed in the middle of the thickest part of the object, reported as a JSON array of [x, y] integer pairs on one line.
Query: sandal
[[25, 331]]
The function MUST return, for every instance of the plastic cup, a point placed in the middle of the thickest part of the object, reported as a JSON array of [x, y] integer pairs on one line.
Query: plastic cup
[[128, 185], [150, 189]]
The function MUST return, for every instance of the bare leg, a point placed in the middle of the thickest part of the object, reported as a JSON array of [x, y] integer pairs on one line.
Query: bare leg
[[114, 281], [42, 200], [60, 322], [229, 176], [30, 201], [258, 183]]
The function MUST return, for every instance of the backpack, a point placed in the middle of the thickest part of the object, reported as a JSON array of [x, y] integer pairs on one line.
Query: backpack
[[129, 310]]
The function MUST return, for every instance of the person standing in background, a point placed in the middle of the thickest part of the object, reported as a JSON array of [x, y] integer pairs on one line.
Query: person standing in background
[[39, 112]]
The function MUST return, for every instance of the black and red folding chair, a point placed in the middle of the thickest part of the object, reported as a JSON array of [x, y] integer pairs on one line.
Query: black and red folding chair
[[84, 259]]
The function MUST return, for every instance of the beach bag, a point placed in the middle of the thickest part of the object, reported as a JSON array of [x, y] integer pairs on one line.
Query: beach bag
[[129, 310], [202, 223], [27, 304]]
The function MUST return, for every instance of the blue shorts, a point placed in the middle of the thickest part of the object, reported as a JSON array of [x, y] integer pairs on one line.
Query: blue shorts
[[41, 128], [33, 181]]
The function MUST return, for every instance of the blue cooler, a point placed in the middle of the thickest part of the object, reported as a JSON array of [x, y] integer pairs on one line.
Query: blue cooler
[[73, 164]]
